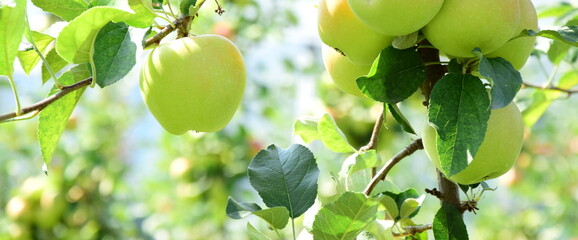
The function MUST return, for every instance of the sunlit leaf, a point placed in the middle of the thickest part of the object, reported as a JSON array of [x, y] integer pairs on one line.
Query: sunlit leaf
[[29, 58], [65, 9], [14, 13]]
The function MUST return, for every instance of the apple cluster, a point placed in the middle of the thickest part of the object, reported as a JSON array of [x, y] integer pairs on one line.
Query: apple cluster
[[359, 29], [355, 31], [193, 83]]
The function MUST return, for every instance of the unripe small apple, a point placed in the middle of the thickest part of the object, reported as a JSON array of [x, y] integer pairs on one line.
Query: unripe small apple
[[517, 51], [343, 73], [498, 152], [461, 26], [395, 17], [193, 83], [339, 28]]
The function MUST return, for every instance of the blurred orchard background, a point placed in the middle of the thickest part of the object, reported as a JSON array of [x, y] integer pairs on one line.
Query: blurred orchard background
[[118, 175]]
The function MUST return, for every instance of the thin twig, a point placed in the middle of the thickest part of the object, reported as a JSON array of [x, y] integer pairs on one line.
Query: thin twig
[[372, 144], [412, 230], [410, 149], [47, 101], [568, 91], [156, 39]]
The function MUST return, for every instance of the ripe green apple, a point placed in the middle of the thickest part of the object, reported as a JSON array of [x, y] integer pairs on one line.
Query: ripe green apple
[[193, 83], [339, 28], [395, 17], [343, 73], [461, 26], [498, 152], [517, 51]]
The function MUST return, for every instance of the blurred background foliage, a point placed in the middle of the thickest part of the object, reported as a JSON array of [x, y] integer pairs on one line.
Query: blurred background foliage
[[117, 175]]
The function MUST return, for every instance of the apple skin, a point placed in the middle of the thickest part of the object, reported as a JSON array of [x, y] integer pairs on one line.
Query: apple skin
[[343, 73], [498, 152], [193, 83], [339, 28], [517, 51], [460, 26], [395, 17]]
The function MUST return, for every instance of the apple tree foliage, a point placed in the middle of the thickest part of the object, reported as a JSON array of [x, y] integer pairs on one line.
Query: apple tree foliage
[[98, 45]]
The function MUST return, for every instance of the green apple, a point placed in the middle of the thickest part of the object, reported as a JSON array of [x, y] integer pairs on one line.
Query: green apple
[[517, 51], [498, 152], [339, 28], [193, 83], [461, 26], [395, 17], [343, 73]]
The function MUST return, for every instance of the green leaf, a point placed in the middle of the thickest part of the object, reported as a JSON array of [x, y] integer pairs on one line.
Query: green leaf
[[277, 217], [345, 218], [186, 5], [390, 206], [566, 34], [143, 16], [380, 230], [29, 58], [394, 76], [409, 206], [114, 53], [255, 234], [448, 224], [238, 210], [332, 136], [400, 118], [360, 161], [56, 63], [285, 177], [14, 13], [459, 111], [54, 117], [76, 40], [555, 11], [306, 129], [506, 80], [400, 198], [557, 52], [65, 9]]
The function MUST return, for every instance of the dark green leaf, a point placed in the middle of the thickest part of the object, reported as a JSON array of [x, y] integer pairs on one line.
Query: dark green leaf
[[394, 76], [14, 13], [114, 53], [448, 224], [54, 117], [65, 9], [506, 80], [238, 210], [29, 58], [345, 218], [285, 177], [566, 34], [459, 111], [56, 63], [454, 66], [400, 118]]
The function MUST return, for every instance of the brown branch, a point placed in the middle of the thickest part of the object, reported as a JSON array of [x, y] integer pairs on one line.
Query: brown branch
[[410, 149], [567, 91], [49, 100], [372, 144], [412, 230], [39, 106]]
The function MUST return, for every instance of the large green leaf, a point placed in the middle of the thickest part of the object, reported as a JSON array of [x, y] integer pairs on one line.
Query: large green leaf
[[114, 54], [13, 23], [285, 177], [143, 15], [345, 218], [54, 117], [394, 76], [506, 80], [29, 57], [459, 111], [65, 9], [448, 224], [76, 40], [566, 34]]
